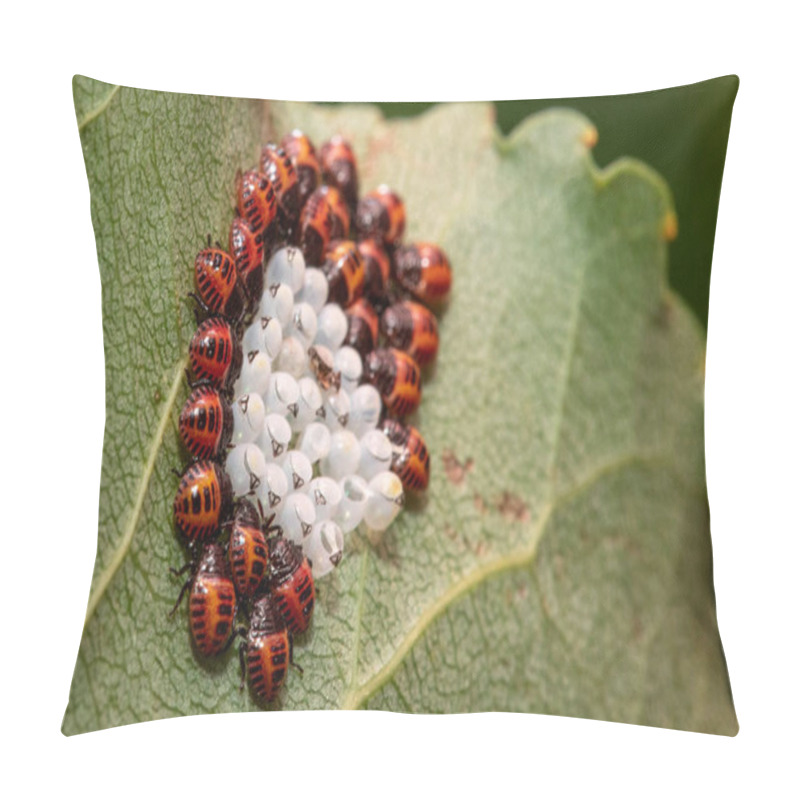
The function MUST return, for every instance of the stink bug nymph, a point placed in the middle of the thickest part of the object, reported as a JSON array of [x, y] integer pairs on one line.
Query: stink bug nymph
[[344, 269], [219, 290], [381, 214], [212, 601], [292, 583], [247, 249], [247, 550], [338, 163], [215, 354], [278, 167], [410, 459], [202, 501], [397, 377], [206, 423], [267, 651], [423, 270], [304, 158], [255, 200], [412, 328]]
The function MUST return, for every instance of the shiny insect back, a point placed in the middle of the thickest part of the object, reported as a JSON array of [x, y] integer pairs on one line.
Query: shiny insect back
[[256, 201], [338, 163], [381, 214], [219, 290], [410, 458], [397, 377], [278, 167], [292, 583], [412, 327], [247, 550], [214, 354], [340, 213], [362, 327], [304, 158], [377, 271], [202, 502], [212, 602], [267, 650], [424, 270], [206, 423], [316, 228], [344, 269], [247, 248]]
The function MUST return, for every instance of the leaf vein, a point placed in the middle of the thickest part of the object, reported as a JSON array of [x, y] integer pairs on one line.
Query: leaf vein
[[518, 558], [133, 521], [98, 109]]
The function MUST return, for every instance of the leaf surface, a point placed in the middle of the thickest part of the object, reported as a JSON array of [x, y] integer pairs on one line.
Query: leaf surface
[[560, 561]]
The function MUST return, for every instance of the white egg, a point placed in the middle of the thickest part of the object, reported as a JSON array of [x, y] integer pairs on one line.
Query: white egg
[[384, 502], [337, 410], [343, 457], [326, 495], [309, 404], [297, 517], [324, 548], [292, 357], [365, 409], [315, 288], [264, 334], [315, 441], [255, 375], [248, 418], [282, 394], [331, 326], [277, 302], [298, 470], [376, 454], [272, 490], [246, 468], [347, 362], [355, 493], [287, 266], [276, 433], [304, 324]]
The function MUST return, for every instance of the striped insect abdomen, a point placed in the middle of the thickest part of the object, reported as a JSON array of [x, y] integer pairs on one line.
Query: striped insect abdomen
[[212, 607], [203, 497], [397, 377], [248, 555], [217, 283], [256, 201], [205, 423], [213, 353], [267, 661]]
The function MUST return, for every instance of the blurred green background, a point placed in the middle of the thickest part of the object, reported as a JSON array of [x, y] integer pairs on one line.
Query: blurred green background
[[681, 132]]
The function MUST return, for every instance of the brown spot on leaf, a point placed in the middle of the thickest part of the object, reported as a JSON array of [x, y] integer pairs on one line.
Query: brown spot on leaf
[[513, 508], [454, 469], [480, 503], [450, 532]]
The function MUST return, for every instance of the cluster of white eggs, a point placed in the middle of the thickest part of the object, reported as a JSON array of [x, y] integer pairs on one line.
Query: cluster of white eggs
[[305, 442]]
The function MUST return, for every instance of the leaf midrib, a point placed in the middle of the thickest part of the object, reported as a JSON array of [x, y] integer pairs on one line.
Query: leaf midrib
[[124, 543]]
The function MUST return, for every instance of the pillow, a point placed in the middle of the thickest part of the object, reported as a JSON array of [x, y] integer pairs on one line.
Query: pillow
[[559, 559]]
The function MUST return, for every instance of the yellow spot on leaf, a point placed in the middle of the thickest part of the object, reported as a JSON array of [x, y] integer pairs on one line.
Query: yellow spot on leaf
[[669, 226]]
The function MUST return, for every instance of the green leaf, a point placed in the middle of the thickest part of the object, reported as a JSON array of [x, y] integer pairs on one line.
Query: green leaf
[[560, 561], [682, 132]]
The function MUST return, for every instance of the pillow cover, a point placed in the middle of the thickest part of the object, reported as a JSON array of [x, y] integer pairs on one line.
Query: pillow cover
[[559, 560]]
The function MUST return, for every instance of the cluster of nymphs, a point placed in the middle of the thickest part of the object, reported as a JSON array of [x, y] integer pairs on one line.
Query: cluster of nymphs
[[317, 323]]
